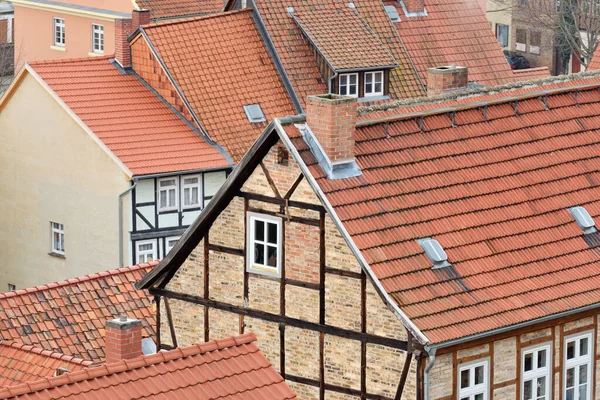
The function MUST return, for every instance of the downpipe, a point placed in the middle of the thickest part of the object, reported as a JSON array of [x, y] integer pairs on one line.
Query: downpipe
[[121, 222], [431, 352]]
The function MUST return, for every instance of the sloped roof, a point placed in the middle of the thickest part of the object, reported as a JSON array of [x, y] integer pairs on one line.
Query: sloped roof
[[68, 317], [494, 191], [23, 363], [141, 130], [232, 368], [453, 32], [179, 8], [342, 37], [221, 64], [595, 61], [529, 74]]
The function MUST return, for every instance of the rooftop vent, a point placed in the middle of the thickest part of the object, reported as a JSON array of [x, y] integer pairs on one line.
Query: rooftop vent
[[254, 113], [392, 13], [584, 219], [435, 252]]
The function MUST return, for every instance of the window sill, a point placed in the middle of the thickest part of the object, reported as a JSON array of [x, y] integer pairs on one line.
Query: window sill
[[92, 54], [57, 255], [58, 48]]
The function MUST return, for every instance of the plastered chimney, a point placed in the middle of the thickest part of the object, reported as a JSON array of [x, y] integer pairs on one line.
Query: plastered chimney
[[123, 339], [124, 28], [446, 79]]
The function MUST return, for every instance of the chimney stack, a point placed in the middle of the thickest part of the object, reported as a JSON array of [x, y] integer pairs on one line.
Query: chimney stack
[[414, 6], [124, 28], [123, 339], [446, 79]]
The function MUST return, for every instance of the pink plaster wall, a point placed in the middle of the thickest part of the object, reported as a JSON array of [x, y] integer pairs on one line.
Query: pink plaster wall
[[34, 35]]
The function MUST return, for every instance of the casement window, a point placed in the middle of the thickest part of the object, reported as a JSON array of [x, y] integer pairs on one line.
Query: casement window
[[521, 42], [502, 34], [98, 38], [58, 238], [349, 85], [167, 194], [535, 42], [170, 243], [191, 191], [473, 380], [535, 372], [59, 32], [11, 287], [145, 251], [374, 83], [264, 244], [577, 378]]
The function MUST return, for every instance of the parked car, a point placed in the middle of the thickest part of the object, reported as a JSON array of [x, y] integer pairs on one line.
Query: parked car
[[516, 60]]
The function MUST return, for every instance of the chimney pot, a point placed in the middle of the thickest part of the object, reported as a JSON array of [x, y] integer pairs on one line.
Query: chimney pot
[[123, 339], [446, 79]]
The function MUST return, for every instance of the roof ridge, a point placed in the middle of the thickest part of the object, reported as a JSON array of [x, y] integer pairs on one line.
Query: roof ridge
[[73, 281], [193, 19], [127, 365], [69, 60], [48, 353]]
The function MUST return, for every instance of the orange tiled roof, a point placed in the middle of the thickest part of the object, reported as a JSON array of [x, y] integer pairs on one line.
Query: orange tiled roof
[[69, 316], [453, 32], [529, 74], [494, 190], [178, 8], [23, 363], [143, 132], [232, 368], [299, 62], [221, 64], [342, 37], [595, 61]]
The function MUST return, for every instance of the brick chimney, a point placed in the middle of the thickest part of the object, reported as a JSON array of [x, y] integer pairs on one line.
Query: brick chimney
[[123, 339], [414, 6], [124, 28], [446, 79]]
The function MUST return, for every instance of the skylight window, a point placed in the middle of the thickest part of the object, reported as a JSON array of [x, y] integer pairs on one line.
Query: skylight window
[[584, 219], [254, 113], [392, 13], [435, 252]]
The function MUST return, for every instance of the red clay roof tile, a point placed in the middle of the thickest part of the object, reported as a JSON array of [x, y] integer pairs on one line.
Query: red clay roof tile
[[178, 8], [229, 368]]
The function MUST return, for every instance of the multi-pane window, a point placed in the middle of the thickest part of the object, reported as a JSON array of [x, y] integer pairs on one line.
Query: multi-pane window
[[167, 194], [473, 381], [373, 83], [349, 85], [59, 31], [145, 251], [535, 376], [502, 34], [58, 238], [535, 42], [264, 243], [577, 381], [191, 192], [98, 38], [170, 243]]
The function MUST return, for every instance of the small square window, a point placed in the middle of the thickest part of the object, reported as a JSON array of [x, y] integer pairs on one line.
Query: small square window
[[349, 85], [145, 251], [59, 32], [283, 156], [373, 84], [11, 287], [58, 238], [264, 244], [170, 243], [254, 113]]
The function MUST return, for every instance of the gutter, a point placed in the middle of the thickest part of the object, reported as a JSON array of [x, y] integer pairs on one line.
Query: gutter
[[121, 222]]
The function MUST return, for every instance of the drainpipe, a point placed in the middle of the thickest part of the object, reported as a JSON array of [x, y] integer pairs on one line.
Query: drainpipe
[[121, 222], [431, 352], [331, 78]]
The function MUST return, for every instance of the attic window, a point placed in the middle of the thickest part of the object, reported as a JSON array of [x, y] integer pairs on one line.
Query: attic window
[[584, 219], [392, 13], [254, 113], [435, 252]]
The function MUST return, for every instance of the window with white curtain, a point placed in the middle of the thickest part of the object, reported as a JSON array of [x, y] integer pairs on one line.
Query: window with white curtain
[[167, 194]]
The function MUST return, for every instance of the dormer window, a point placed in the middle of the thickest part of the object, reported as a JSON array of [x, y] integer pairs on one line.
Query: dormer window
[[349, 85], [374, 83]]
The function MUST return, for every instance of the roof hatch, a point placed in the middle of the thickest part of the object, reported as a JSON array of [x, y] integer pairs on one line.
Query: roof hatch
[[254, 113], [584, 219], [392, 13], [434, 250]]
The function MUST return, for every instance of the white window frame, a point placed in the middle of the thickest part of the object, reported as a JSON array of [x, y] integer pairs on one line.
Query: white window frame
[[59, 228], [537, 372], [185, 186], [98, 29], [60, 24], [578, 361], [472, 391], [373, 74], [347, 76], [167, 247], [175, 188], [251, 266], [145, 253]]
